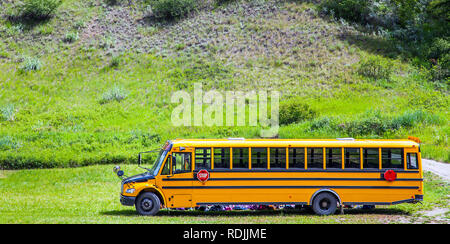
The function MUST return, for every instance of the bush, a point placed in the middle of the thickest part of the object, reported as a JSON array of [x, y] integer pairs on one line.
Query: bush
[[441, 71], [411, 118], [71, 37], [116, 93], [294, 110], [115, 62], [439, 54], [375, 67], [354, 10], [8, 143], [222, 2], [39, 9], [325, 123], [172, 9], [30, 64], [205, 70], [113, 2], [8, 112], [373, 123], [386, 13], [438, 48]]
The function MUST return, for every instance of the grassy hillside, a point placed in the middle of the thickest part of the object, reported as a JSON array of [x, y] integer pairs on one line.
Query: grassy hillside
[[91, 84]]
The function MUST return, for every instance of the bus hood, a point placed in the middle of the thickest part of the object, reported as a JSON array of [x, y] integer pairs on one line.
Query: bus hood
[[138, 178]]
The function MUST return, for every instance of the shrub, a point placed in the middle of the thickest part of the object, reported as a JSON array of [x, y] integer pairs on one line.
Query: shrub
[[80, 24], [411, 118], [8, 112], [368, 124], [408, 11], [39, 9], [354, 10], [112, 2], [172, 9], [71, 37], [294, 110], [324, 123], [106, 42], [439, 54], [438, 48], [441, 71], [30, 64], [115, 62], [387, 13], [14, 29], [8, 143], [116, 93], [374, 123], [375, 67], [222, 2], [205, 70]]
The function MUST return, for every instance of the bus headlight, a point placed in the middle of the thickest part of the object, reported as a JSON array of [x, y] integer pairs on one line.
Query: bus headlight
[[130, 190]]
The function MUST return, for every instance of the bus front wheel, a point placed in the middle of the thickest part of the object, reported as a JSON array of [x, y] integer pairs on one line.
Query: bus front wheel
[[324, 204], [147, 203]]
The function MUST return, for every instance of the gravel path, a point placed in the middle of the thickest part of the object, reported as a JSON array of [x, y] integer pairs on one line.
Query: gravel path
[[438, 168]]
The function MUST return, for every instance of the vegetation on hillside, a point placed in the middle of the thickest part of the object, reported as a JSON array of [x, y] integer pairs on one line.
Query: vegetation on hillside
[[416, 30], [91, 82]]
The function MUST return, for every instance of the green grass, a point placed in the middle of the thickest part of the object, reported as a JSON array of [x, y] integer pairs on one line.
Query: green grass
[[91, 195]]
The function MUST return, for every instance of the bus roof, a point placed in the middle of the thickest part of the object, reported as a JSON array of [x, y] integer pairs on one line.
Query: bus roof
[[339, 142]]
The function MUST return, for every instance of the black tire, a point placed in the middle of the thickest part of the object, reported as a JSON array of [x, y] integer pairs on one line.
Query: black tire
[[324, 204], [147, 203]]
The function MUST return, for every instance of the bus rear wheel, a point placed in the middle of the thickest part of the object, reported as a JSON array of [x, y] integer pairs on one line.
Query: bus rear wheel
[[324, 204], [147, 203]]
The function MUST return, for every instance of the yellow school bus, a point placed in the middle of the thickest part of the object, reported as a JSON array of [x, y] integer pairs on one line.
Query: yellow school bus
[[325, 174]]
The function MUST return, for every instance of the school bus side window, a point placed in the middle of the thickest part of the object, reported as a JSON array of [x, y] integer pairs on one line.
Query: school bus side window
[[370, 158], [392, 158], [240, 158], [412, 161], [315, 157], [297, 157], [166, 169], [203, 158], [278, 157], [352, 158], [259, 157], [222, 157], [181, 162], [334, 158]]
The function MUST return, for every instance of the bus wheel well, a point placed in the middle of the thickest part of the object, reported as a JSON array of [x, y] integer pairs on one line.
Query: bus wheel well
[[161, 198], [325, 190]]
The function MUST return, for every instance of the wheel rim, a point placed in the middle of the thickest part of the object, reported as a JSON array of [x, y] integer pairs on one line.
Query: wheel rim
[[146, 204], [325, 204]]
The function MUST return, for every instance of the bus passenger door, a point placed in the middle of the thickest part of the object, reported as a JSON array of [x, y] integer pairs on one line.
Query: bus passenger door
[[177, 185]]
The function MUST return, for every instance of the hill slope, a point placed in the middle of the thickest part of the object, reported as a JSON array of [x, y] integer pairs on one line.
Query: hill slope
[[65, 113]]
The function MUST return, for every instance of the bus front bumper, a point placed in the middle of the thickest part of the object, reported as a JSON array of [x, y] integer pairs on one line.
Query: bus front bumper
[[127, 201]]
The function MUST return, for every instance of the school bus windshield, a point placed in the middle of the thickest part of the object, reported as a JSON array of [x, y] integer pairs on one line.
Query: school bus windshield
[[157, 164]]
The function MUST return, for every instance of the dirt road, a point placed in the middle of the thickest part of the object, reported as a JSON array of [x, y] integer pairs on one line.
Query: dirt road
[[438, 168]]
